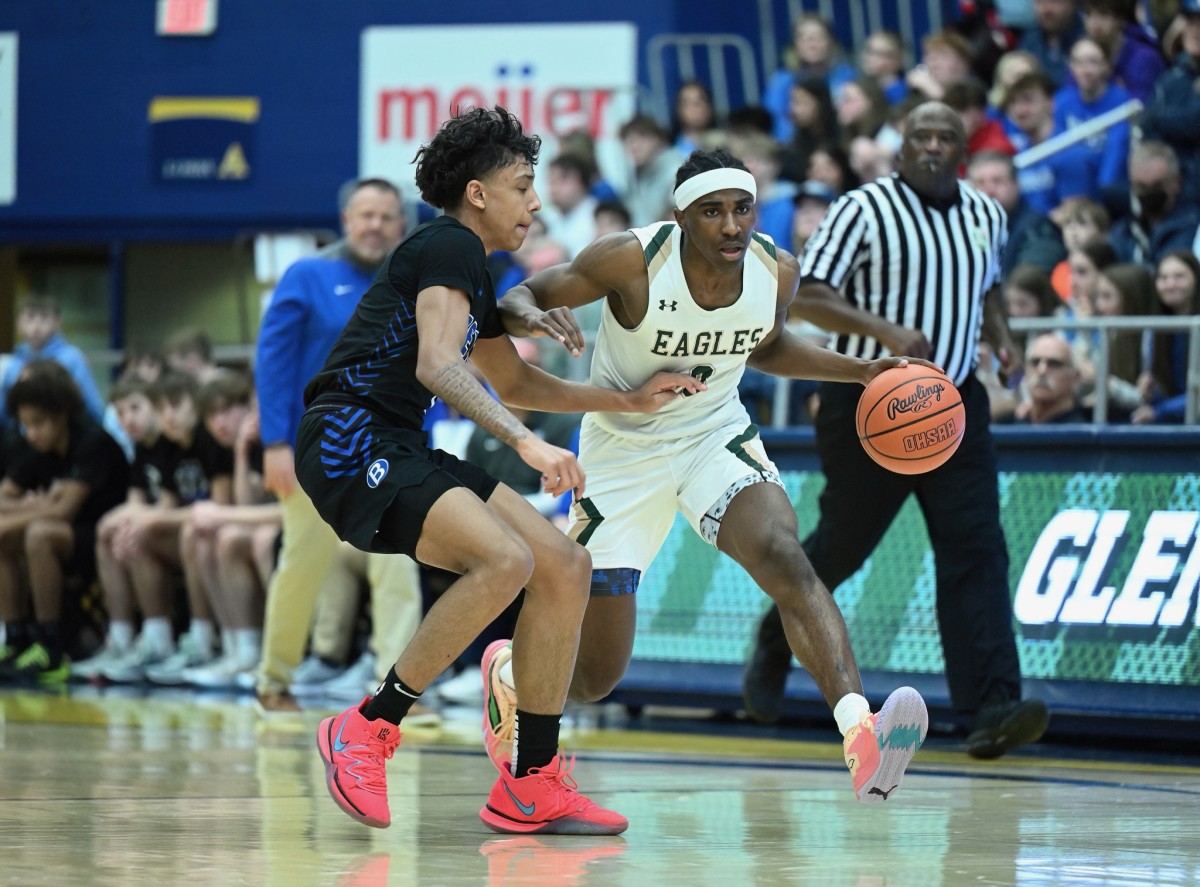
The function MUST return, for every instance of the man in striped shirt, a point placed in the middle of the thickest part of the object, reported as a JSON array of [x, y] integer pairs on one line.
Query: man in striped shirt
[[910, 264]]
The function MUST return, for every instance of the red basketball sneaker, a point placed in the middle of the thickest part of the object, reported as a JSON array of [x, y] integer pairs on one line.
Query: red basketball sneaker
[[881, 745], [356, 752], [547, 802], [499, 705]]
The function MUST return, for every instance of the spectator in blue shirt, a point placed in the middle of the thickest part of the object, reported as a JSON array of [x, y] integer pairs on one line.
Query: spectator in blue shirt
[[812, 55], [1032, 238], [1029, 121], [882, 59], [1089, 168], [1164, 387], [1173, 114], [1059, 25], [310, 306], [1136, 61], [1160, 221], [39, 325], [763, 156]]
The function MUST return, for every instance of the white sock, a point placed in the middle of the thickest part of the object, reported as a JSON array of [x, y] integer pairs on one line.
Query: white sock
[[203, 634], [227, 642], [121, 634], [3, 633], [156, 632], [849, 711]]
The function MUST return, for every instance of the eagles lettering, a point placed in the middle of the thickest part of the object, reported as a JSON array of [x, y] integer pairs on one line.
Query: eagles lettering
[[668, 343]]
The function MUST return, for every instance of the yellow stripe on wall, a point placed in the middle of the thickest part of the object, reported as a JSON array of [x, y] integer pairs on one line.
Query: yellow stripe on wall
[[244, 109]]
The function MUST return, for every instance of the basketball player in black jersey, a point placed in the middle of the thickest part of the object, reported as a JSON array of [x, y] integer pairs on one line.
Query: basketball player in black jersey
[[363, 459]]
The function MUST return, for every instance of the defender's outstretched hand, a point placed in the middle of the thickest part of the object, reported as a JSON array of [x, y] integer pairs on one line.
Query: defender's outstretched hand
[[662, 388], [560, 469], [558, 324]]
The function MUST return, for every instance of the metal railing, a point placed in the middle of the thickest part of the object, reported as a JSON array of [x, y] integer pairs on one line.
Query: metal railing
[[1075, 134], [866, 16], [714, 48], [692, 52], [781, 401], [1109, 325]]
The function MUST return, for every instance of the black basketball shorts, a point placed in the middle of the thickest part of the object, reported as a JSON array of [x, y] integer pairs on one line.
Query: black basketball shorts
[[355, 469]]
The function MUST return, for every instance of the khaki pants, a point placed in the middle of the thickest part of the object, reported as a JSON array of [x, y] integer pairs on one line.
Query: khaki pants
[[308, 552], [395, 584]]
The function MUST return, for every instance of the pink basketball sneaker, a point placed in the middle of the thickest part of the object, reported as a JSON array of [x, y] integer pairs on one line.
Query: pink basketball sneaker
[[881, 745], [356, 752], [547, 802], [499, 705]]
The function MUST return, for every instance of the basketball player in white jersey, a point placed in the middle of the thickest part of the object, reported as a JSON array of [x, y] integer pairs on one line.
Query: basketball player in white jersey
[[703, 294]]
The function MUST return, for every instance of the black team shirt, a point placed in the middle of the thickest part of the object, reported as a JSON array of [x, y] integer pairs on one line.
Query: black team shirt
[[374, 363]]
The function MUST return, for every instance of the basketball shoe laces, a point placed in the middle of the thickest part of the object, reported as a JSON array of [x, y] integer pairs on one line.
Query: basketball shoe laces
[[503, 728], [373, 755], [563, 785]]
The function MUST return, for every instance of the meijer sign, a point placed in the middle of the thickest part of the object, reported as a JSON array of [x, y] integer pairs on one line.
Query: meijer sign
[[556, 78]]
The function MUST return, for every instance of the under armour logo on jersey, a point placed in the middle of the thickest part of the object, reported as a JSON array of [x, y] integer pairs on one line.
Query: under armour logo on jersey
[[664, 305], [376, 472]]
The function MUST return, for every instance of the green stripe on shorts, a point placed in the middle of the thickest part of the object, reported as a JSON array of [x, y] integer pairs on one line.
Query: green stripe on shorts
[[735, 447], [594, 518]]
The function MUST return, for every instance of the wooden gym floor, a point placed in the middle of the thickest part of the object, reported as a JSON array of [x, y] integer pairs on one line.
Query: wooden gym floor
[[122, 788]]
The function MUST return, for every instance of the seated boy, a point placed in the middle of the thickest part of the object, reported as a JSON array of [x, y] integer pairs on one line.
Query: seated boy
[[68, 473], [153, 542], [153, 456]]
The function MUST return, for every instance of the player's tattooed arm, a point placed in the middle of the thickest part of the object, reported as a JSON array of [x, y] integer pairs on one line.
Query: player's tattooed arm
[[454, 384]]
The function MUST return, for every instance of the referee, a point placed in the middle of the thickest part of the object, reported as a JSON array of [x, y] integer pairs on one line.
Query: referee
[[910, 264]]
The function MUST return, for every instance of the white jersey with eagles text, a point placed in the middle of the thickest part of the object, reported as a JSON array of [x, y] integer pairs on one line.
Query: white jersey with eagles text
[[677, 335]]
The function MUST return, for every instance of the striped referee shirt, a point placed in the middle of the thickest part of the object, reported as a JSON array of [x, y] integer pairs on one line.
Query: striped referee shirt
[[914, 263]]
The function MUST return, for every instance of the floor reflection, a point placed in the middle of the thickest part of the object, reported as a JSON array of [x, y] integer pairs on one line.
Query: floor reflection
[[128, 788]]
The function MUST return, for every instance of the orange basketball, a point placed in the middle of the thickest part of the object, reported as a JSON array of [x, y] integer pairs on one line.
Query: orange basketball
[[910, 419]]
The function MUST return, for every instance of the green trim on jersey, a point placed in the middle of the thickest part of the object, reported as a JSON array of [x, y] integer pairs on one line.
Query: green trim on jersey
[[735, 447], [594, 517], [765, 244], [660, 240]]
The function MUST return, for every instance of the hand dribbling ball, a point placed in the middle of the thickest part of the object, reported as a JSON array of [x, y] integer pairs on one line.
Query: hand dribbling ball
[[910, 419]]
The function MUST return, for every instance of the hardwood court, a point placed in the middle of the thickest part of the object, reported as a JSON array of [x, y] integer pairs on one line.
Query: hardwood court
[[103, 788]]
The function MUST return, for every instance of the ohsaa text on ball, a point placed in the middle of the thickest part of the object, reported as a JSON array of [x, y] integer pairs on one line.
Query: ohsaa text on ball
[[922, 440]]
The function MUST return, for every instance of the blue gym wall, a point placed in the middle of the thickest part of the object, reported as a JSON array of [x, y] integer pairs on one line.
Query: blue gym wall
[[88, 70]]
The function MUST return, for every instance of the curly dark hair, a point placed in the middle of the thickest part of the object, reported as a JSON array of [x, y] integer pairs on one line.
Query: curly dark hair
[[47, 385], [472, 144], [705, 161]]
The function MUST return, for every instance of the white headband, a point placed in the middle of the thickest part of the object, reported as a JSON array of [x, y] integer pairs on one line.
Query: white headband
[[713, 180]]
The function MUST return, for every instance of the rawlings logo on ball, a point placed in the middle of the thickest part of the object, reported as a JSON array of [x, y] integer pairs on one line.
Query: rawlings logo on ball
[[921, 399]]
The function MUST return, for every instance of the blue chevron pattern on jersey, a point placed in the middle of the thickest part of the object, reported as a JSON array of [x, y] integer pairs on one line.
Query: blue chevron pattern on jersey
[[399, 336], [345, 441]]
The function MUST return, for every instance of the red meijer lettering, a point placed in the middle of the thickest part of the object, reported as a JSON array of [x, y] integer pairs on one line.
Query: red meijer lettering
[[412, 114]]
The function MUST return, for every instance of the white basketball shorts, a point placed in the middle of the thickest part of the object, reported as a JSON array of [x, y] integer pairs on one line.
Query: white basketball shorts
[[634, 487]]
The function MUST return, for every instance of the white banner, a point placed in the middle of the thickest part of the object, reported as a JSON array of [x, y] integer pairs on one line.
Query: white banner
[[556, 78], [8, 117]]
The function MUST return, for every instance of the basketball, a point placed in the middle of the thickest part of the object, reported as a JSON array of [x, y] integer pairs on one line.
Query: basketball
[[910, 419]]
